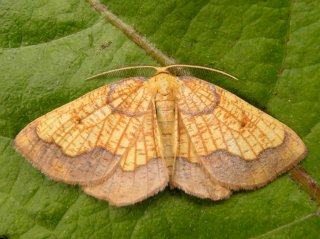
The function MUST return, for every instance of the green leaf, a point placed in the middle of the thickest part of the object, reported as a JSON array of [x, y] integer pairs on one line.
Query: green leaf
[[49, 48]]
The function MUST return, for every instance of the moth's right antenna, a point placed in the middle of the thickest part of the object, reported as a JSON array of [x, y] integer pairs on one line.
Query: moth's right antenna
[[203, 68]]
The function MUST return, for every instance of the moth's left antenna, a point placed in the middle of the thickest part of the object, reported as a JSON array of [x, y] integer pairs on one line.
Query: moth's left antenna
[[121, 69]]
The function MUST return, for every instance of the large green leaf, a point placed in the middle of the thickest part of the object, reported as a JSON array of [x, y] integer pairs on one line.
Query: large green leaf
[[50, 47]]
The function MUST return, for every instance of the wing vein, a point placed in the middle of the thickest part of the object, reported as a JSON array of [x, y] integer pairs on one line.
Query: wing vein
[[235, 105], [225, 110], [213, 141], [118, 120], [198, 129], [127, 125]]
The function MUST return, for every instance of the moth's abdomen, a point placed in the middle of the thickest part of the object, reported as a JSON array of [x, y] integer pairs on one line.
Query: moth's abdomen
[[165, 108]]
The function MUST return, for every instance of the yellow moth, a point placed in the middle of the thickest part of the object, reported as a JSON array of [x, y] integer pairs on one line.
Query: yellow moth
[[127, 141]]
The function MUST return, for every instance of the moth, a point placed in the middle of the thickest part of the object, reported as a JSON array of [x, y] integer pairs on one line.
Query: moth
[[128, 140]]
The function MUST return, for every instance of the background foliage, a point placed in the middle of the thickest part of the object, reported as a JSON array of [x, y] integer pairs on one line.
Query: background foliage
[[48, 48]]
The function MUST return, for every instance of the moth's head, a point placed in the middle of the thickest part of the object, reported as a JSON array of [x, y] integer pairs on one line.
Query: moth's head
[[162, 83]]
